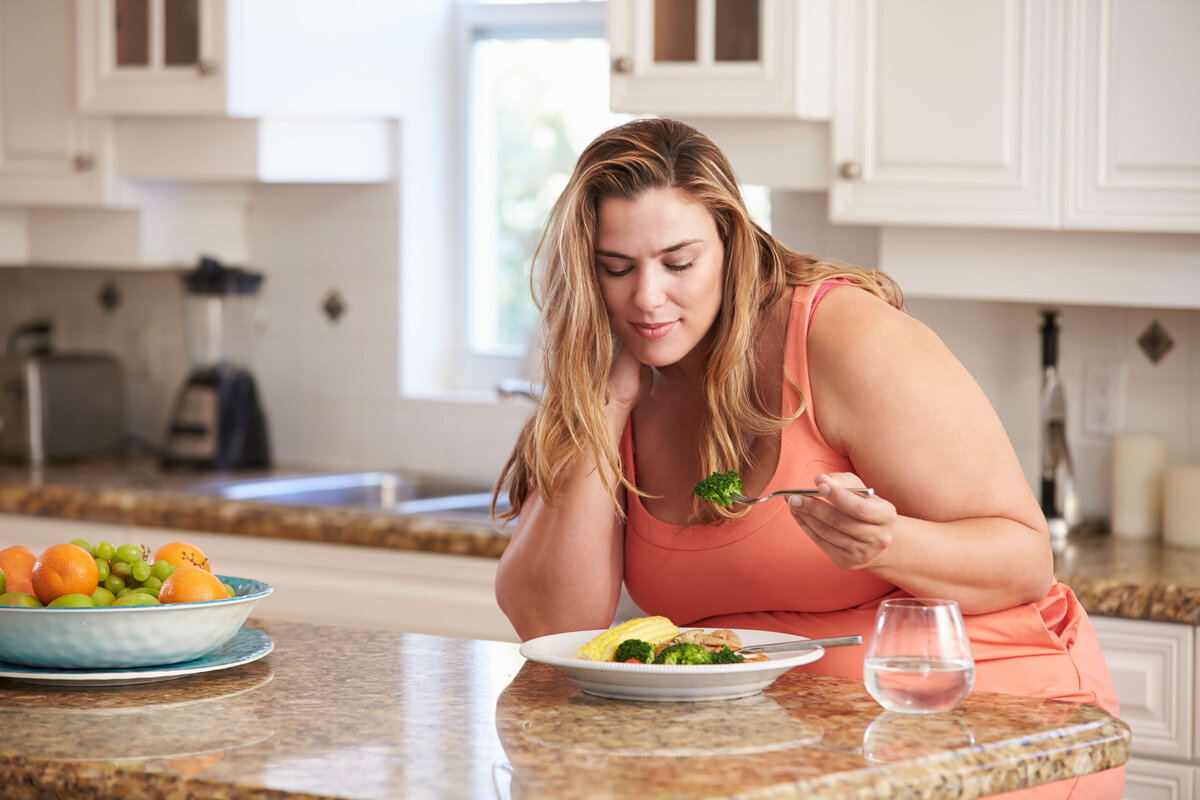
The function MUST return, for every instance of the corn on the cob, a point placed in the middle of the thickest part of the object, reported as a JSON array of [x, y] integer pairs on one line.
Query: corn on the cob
[[654, 630]]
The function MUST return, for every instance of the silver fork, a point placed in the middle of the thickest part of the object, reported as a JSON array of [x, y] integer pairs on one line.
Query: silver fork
[[738, 497]]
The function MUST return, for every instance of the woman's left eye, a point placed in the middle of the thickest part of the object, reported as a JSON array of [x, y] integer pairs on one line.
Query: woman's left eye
[[678, 267]]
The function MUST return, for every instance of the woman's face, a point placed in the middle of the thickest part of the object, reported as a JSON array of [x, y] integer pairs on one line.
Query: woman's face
[[659, 261]]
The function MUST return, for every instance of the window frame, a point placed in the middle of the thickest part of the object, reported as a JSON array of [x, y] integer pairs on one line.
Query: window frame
[[476, 20]]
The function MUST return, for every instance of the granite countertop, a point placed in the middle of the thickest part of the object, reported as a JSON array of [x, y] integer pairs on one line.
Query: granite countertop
[[1111, 577], [338, 712]]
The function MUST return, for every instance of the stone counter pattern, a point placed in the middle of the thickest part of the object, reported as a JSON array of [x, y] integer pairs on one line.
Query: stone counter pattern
[[335, 712], [156, 508]]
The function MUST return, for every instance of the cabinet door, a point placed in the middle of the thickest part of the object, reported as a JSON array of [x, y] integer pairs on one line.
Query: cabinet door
[[720, 58], [49, 153], [1134, 115], [152, 56], [946, 113], [1154, 674], [1146, 779]]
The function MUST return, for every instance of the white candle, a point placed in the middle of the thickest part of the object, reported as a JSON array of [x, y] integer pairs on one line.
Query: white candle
[[1181, 505], [1138, 463]]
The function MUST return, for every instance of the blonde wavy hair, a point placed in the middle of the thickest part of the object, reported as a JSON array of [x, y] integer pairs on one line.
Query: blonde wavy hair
[[569, 424]]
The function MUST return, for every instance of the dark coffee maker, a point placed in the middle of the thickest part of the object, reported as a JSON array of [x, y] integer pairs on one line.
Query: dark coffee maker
[[218, 422]]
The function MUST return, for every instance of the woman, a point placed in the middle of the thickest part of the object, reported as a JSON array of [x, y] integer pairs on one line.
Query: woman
[[682, 340]]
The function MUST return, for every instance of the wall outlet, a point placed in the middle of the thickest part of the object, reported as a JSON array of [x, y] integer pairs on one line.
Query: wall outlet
[[1104, 397]]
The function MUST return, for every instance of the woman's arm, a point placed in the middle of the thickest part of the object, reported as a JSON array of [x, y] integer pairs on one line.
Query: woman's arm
[[954, 517], [563, 567]]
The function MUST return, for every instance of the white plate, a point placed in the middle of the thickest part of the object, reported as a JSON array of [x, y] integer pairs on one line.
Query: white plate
[[246, 645], [660, 681]]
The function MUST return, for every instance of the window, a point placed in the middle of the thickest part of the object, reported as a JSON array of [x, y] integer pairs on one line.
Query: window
[[537, 93], [536, 89]]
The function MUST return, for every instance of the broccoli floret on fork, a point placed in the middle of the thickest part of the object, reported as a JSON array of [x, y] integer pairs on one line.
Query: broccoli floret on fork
[[720, 487]]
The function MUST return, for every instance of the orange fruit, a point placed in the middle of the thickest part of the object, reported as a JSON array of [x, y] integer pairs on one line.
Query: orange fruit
[[64, 569], [17, 563], [191, 585], [182, 554]]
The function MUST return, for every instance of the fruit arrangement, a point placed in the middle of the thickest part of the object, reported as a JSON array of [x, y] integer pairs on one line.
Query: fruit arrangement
[[77, 575]]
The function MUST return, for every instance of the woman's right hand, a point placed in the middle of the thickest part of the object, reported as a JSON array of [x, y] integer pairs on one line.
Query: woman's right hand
[[629, 380]]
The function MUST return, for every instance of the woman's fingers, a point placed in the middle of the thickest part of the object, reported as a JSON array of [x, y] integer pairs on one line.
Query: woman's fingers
[[852, 529]]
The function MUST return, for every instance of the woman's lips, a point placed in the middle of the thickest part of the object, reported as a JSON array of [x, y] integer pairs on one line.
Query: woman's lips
[[654, 330]]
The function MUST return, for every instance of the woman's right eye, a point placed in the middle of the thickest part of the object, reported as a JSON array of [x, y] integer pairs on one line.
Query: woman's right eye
[[616, 273]]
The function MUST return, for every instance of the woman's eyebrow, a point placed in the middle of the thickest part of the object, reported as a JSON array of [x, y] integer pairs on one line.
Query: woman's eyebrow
[[663, 252]]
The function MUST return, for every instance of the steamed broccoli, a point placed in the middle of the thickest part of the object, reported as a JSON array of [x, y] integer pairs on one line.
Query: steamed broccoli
[[634, 648], [720, 487], [684, 653], [727, 656]]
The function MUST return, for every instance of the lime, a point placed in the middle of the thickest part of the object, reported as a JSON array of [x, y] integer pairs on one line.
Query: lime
[[73, 600], [19, 599], [136, 599], [103, 597]]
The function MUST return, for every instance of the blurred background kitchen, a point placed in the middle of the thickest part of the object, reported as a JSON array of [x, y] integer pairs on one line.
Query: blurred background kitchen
[[386, 166]]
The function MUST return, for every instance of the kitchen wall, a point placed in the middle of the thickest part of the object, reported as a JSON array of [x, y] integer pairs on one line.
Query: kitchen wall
[[330, 384]]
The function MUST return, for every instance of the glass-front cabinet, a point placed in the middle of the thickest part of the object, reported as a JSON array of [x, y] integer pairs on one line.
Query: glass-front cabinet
[[151, 56], [720, 58]]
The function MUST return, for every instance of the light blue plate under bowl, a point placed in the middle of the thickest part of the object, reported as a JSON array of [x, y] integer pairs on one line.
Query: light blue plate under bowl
[[246, 646]]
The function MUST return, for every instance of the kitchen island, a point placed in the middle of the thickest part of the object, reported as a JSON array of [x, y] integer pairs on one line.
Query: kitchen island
[[345, 713]]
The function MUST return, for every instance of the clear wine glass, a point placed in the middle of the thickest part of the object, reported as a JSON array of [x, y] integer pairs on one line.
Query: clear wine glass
[[919, 660]]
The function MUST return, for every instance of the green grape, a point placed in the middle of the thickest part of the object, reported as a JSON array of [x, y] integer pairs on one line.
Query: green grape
[[229, 590], [102, 570], [129, 553], [104, 550], [124, 590], [152, 583], [103, 597], [162, 570], [136, 599], [114, 583], [82, 543], [71, 601], [140, 571], [144, 590], [122, 568]]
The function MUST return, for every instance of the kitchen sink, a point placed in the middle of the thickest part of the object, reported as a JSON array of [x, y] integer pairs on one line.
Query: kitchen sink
[[375, 490]]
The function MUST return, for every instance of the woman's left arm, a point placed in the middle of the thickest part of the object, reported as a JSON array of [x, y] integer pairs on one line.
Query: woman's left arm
[[954, 516]]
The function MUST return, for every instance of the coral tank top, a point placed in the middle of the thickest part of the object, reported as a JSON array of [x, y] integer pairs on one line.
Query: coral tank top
[[762, 572]]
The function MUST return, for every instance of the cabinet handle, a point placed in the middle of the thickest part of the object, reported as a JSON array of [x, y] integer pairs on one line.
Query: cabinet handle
[[850, 170], [83, 162], [205, 67], [622, 65]]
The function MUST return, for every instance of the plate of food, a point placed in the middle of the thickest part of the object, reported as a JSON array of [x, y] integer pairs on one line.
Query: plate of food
[[589, 659]]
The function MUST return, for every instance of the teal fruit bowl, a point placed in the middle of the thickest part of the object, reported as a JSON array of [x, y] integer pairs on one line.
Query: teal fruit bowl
[[128, 636]]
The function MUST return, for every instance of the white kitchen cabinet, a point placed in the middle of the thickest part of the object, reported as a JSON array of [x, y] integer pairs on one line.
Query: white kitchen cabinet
[[946, 113], [50, 153], [720, 58], [1076, 114], [1132, 158], [1154, 669], [365, 587], [242, 58], [1146, 779]]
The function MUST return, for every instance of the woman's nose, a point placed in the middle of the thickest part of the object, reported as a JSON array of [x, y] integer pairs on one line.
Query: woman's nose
[[649, 292]]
